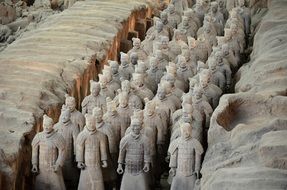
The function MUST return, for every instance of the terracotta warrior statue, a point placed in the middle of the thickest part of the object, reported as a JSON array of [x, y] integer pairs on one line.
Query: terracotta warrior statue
[[162, 59], [70, 132], [105, 90], [126, 69], [186, 25], [211, 91], [124, 111], [183, 71], [224, 68], [174, 18], [180, 5], [140, 88], [48, 157], [185, 159], [135, 155], [142, 54], [154, 72], [94, 99], [91, 156], [77, 117], [216, 77], [114, 65], [112, 85]]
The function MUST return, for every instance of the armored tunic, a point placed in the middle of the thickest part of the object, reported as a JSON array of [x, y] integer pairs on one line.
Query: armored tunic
[[91, 149], [186, 158], [134, 153], [47, 151], [126, 71], [125, 113]]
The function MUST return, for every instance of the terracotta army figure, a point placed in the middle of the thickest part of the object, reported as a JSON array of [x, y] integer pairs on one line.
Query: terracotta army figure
[[171, 69], [219, 19], [162, 59], [208, 35], [164, 48], [193, 20], [124, 111], [77, 117], [70, 132], [141, 68], [109, 173], [126, 70], [140, 88], [222, 9], [183, 71], [229, 57], [180, 5], [191, 116], [230, 4], [154, 72], [165, 105], [185, 160], [166, 25], [48, 156], [199, 10], [173, 17], [238, 35], [217, 78], [232, 43], [170, 95], [171, 79], [142, 54], [202, 106], [91, 156], [135, 155], [134, 59], [246, 15], [191, 61], [113, 118], [211, 91], [192, 45], [214, 29], [94, 99], [203, 49], [224, 68], [115, 71], [112, 85], [105, 90], [190, 31]]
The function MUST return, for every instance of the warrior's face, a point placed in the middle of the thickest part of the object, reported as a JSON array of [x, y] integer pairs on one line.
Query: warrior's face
[[95, 90], [48, 127], [136, 128], [90, 123], [71, 105], [98, 116], [65, 116], [161, 94]]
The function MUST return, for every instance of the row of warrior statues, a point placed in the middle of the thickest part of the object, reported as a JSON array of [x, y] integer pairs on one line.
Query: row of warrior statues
[[151, 112]]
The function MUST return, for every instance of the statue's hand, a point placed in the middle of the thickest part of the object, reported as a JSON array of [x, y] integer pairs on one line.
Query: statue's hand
[[81, 165], [172, 171], [167, 158], [146, 167], [104, 164], [56, 167], [120, 169], [34, 168]]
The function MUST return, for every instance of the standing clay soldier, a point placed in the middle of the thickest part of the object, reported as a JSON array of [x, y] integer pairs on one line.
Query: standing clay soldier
[[48, 156], [224, 68], [115, 71], [135, 155], [185, 25], [94, 99], [203, 49], [91, 156], [154, 72], [162, 59], [211, 91], [126, 70], [229, 57], [77, 117], [183, 71], [105, 90], [202, 106], [70, 132], [112, 85], [142, 54], [113, 118], [180, 5], [185, 160], [217, 78], [164, 48], [140, 88], [173, 17], [124, 112]]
